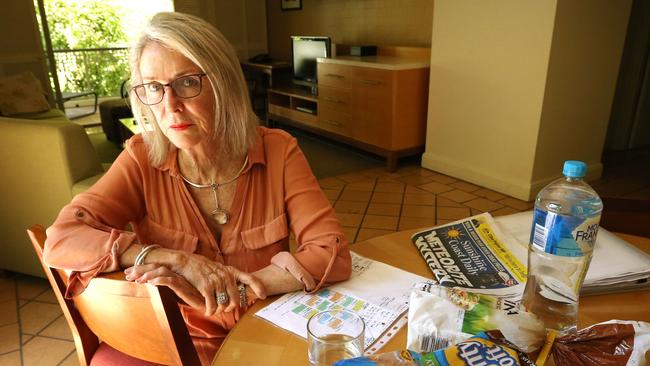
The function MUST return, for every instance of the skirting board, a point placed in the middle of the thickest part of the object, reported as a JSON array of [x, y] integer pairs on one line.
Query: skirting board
[[523, 190]]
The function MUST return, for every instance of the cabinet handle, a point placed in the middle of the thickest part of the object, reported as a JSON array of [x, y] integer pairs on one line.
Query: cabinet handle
[[335, 76], [333, 100], [334, 123], [371, 82]]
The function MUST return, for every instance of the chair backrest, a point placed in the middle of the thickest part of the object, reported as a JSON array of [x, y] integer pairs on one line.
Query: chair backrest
[[140, 320], [626, 215]]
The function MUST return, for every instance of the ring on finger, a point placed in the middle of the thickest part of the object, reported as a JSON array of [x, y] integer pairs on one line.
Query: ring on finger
[[222, 298]]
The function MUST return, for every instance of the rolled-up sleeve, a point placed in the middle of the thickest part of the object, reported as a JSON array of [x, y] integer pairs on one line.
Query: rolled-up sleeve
[[323, 255], [88, 235]]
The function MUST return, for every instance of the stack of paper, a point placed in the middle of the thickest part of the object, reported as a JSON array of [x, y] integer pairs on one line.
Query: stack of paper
[[616, 265]]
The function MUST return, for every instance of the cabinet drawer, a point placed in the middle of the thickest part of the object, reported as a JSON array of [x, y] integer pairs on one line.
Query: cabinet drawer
[[373, 83], [334, 98], [334, 120], [338, 76]]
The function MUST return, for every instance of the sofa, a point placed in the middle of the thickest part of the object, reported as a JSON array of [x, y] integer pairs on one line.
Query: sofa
[[44, 163]]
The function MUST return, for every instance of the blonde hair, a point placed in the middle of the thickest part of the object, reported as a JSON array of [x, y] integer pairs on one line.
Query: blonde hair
[[205, 46]]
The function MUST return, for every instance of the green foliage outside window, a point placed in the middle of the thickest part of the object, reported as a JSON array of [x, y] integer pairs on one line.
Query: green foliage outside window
[[88, 24]]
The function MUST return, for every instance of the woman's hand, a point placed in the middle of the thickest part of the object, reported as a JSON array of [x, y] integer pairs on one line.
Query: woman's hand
[[163, 276], [211, 278]]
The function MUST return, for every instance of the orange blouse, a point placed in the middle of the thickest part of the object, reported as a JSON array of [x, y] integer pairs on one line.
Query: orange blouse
[[277, 191]]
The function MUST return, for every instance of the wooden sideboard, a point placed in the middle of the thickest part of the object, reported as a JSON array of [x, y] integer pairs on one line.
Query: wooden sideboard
[[377, 103]]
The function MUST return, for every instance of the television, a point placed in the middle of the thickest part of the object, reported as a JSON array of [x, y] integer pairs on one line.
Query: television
[[304, 51]]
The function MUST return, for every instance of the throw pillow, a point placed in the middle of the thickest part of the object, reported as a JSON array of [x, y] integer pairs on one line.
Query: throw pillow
[[21, 93]]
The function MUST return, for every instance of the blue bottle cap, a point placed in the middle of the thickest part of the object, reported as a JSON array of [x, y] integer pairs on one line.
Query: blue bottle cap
[[574, 169]]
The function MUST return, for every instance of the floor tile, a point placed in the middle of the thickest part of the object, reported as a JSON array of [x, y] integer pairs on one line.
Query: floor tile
[[10, 359], [71, 360], [436, 187], [47, 296], [350, 207], [504, 211], [365, 233], [458, 195], [413, 189], [30, 287], [373, 172], [453, 213], [424, 172], [465, 186], [331, 183], [444, 179], [446, 202], [489, 194], [364, 185], [406, 223], [332, 194], [58, 329], [9, 338], [356, 196], [416, 179], [423, 199], [42, 351], [389, 187], [7, 289], [379, 222], [386, 197], [419, 211], [8, 312], [385, 209], [483, 204], [26, 338], [37, 315], [350, 219], [352, 177], [516, 204]]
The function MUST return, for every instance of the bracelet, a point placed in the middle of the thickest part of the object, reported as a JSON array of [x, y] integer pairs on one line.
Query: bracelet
[[139, 259], [242, 295]]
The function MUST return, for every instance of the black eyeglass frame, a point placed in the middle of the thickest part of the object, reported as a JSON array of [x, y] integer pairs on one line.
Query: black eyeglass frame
[[200, 75]]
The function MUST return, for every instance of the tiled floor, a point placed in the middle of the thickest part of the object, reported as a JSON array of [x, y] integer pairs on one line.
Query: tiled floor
[[368, 203]]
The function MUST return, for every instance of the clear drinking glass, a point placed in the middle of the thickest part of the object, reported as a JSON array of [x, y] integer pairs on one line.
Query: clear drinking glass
[[334, 335]]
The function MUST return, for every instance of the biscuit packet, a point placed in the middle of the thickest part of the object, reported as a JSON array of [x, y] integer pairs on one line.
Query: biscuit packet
[[440, 316], [485, 349]]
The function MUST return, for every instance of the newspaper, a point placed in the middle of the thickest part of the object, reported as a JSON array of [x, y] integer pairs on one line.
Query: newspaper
[[474, 255]]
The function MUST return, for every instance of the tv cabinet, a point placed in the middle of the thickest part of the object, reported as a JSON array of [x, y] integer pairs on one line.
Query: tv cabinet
[[376, 103]]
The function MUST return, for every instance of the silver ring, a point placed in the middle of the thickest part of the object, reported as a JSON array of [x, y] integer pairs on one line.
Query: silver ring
[[222, 298]]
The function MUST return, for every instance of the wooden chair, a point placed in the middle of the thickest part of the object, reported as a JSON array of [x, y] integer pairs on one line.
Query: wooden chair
[[626, 215], [141, 321]]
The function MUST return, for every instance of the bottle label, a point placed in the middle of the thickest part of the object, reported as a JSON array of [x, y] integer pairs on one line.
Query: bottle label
[[564, 235]]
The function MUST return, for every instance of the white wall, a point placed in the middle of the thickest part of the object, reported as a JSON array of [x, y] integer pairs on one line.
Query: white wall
[[517, 87]]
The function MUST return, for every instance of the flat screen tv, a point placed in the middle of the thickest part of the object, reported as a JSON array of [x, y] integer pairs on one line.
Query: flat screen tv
[[304, 52]]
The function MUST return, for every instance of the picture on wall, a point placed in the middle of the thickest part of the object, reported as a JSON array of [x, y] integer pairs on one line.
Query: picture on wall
[[291, 4]]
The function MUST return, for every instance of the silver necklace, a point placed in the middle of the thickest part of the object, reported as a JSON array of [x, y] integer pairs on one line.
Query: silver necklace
[[220, 215]]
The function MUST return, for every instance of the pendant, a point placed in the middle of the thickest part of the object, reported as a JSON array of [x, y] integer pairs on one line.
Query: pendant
[[220, 215]]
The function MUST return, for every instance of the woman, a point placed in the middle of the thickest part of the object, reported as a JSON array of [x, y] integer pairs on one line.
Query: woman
[[209, 195]]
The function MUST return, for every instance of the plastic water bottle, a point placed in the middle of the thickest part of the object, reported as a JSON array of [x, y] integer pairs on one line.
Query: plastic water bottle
[[565, 225]]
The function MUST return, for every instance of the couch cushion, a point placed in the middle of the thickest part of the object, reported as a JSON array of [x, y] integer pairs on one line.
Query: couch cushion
[[21, 93], [53, 113]]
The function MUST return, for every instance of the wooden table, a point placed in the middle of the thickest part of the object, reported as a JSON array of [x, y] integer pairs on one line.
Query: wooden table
[[255, 341]]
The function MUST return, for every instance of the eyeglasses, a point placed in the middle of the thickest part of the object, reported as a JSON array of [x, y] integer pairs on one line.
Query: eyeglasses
[[188, 86]]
